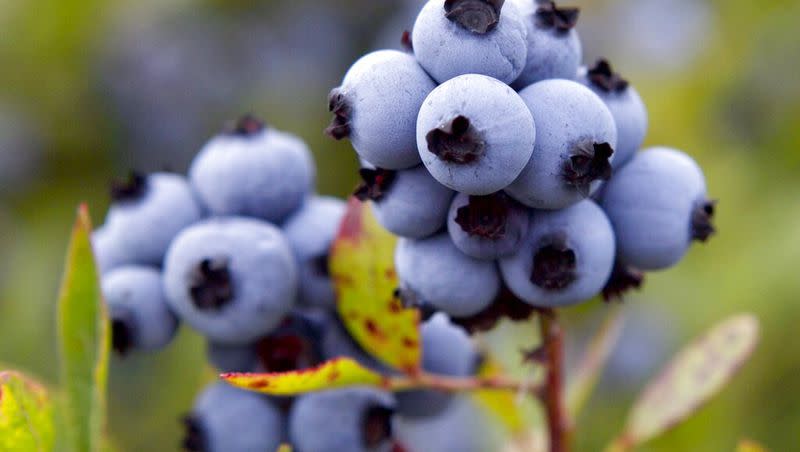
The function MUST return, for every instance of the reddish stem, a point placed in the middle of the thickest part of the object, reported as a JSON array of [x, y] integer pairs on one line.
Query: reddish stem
[[553, 394]]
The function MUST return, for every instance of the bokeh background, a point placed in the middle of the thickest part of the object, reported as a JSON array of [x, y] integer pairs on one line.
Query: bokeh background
[[92, 88]]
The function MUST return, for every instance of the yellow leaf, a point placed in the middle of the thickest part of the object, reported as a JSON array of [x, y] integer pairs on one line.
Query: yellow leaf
[[338, 373], [26, 414], [500, 404], [695, 375], [362, 268]]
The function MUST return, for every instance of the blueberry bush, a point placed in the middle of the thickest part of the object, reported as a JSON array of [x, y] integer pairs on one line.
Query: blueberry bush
[[502, 183]]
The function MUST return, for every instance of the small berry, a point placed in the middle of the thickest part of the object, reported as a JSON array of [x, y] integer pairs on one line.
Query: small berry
[[487, 227], [475, 134]]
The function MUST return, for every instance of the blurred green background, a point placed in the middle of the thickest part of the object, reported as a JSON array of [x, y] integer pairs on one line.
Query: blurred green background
[[92, 88]]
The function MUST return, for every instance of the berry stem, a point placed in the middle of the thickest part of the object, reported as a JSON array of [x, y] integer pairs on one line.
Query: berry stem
[[459, 384], [553, 393]]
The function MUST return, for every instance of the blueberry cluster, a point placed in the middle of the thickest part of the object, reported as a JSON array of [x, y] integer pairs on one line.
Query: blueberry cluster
[[239, 252], [510, 171]]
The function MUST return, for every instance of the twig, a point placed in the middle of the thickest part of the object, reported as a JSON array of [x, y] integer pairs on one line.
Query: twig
[[458, 384], [552, 394]]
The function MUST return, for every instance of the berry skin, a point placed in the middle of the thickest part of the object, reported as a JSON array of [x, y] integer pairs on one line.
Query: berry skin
[[625, 104], [232, 358], [566, 259], [554, 48], [353, 420], [432, 272], [475, 134], [487, 227], [311, 232], [146, 214], [658, 206], [376, 107], [227, 419], [409, 203], [576, 137], [459, 428], [255, 171], [232, 279], [140, 316], [457, 37], [446, 350]]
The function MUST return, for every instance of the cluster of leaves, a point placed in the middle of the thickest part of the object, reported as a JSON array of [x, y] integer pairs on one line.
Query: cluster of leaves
[[362, 268]]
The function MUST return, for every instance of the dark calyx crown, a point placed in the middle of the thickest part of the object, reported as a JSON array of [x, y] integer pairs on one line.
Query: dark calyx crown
[[477, 16], [131, 188], [339, 127], [485, 216], [375, 183], [602, 75], [554, 264], [456, 142], [702, 220], [589, 162], [246, 126], [548, 15], [211, 284]]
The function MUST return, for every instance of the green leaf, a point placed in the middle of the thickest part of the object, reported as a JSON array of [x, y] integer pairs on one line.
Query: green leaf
[[334, 374], [83, 331], [693, 377], [362, 268], [747, 445], [593, 362], [26, 414]]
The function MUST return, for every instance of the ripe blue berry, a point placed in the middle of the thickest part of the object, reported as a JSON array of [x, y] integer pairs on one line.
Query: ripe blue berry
[[566, 258], [459, 428], [432, 272], [226, 419], [140, 316], [232, 358], [409, 203], [576, 137], [554, 48], [253, 170], [376, 107], [456, 37], [353, 420], [475, 134], [487, 227], [630, 113], [311, 232], [658, 206], [232, 279], [147, 212], [446, 350]]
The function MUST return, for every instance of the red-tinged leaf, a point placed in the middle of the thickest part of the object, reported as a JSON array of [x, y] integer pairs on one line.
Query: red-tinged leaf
[[362, 267], [338, 373], [693, 377]]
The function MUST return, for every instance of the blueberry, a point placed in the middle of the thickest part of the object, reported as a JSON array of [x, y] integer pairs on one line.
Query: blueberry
[[253, 170], [146, 214], [554, 48], [487, 227], [311, 232], [566, 258], [475, 134], [232, 279], [446, 350], [658, 205], [140, 316], [622, 99], [459, 428], [377, 105], [353, 420], [576, 137], [409, 203], [232, 358], [432, 271], [226, 419], [456, 37]]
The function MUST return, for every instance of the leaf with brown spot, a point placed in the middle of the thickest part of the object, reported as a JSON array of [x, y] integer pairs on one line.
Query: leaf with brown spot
[[334, 374], [362, 267], [693, 377]]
